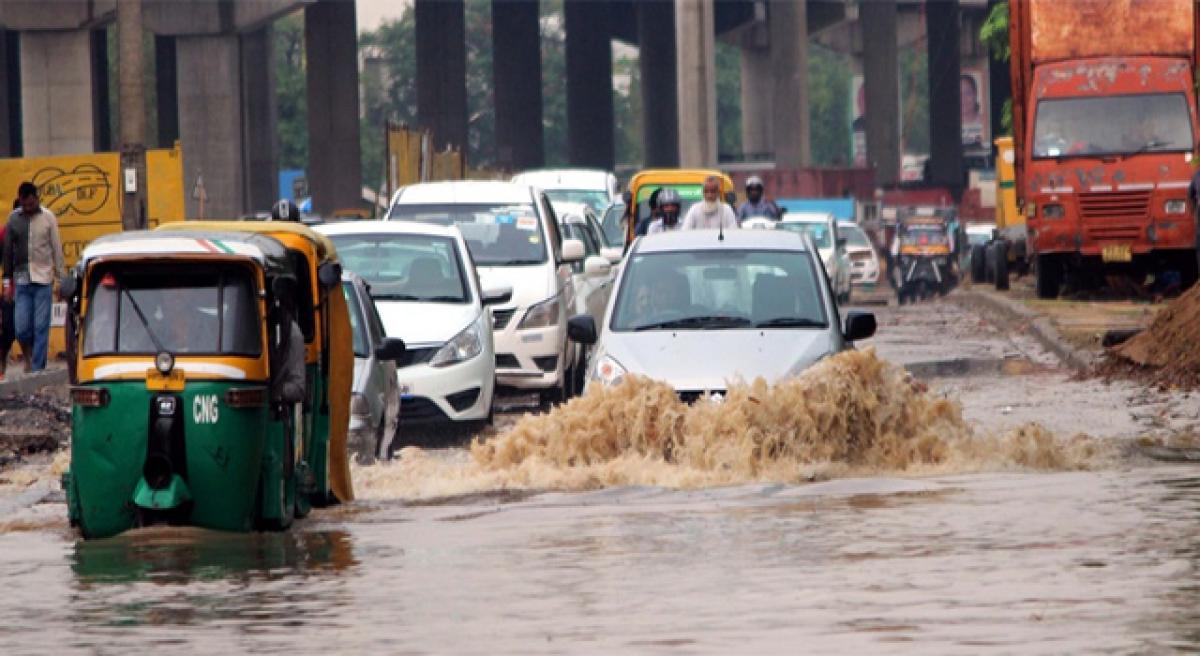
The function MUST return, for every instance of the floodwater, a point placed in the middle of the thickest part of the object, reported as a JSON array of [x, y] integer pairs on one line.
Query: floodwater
[[994, 552]]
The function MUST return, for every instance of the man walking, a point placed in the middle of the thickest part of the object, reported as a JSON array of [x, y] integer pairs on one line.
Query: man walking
[[33, 263], [711, 213]]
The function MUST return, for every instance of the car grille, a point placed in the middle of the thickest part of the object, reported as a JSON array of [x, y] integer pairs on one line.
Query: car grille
[[462, 400], [420, 409], [507, 361], [417, 356], [546, 363], [691, 396], [500, 318], [1115, 205]]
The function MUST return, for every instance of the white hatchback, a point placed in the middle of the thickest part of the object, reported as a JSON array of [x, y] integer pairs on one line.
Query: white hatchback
[[428, 294], [821, 228], [512, 233]]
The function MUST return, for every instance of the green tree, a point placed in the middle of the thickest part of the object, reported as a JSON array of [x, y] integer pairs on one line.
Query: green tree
[[914, 99], [627, 111], [729, 101], [829, 78], [994, 34], [290, 88], [554, 83]]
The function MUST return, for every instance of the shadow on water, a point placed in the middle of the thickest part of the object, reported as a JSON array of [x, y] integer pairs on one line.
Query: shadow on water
[[179, 556]]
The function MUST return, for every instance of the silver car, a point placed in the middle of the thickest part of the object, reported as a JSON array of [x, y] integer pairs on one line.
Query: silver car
[[375, 397], [697, 311]]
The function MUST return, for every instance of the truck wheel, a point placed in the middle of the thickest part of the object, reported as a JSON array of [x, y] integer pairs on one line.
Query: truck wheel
[[1000, 265], [1048, 276], [978, 264]]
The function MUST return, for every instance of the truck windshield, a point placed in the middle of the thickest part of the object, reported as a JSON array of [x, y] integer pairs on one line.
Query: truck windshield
[[1112, 125]]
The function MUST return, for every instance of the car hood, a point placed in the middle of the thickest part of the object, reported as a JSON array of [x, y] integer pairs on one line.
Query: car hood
[[708, 359], [425, 323], [530, 284]]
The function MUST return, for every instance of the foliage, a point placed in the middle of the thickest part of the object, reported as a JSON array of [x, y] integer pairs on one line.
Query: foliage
[[994, 32], [627, 110], [829, 79], [291, 121], [914, 99], [729, 99]]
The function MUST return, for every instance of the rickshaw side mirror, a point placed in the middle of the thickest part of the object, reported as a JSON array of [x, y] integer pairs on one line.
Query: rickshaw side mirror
[[329, 274], [390, 349]]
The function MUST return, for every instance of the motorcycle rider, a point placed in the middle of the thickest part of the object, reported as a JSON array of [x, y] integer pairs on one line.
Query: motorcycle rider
[[756, 204], [643, 225], [668, 212], [285, 210]]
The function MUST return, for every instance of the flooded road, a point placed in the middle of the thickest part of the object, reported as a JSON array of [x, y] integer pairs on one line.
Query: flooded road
[[1002, 559]]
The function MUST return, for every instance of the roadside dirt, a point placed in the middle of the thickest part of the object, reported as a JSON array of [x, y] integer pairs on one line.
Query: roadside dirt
[[1165, 353], [33, 423]]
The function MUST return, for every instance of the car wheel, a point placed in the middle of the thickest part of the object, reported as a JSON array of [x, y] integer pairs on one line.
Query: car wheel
[[978, 264]]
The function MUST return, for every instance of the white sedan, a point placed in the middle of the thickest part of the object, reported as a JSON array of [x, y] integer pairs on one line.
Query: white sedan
[[821, 227]]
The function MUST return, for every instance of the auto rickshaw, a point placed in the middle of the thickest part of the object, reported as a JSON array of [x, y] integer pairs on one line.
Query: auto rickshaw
[[175, 417], [324, 460], [688, 182], [924, 258]]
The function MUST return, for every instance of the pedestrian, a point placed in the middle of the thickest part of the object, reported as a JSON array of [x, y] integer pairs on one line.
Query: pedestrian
[[756, 203], [711, 213], [33, 263], [7, 325]]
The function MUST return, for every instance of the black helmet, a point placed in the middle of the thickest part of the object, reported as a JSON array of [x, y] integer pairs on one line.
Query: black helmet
[[285, 210], [669, 196]]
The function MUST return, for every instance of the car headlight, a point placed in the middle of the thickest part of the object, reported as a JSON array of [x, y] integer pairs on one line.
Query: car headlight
[[463, 346], [1175, 206], [358, 406], [1053, 211], [542, 315], [608, 371]]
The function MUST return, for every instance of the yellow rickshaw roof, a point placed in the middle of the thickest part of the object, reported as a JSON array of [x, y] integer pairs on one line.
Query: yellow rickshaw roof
[[326, 252], [677, 176]]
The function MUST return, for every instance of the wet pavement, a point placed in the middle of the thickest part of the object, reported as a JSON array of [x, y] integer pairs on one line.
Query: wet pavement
[[1002, 561]]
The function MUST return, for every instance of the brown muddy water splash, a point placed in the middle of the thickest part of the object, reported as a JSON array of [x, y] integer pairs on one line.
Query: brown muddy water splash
[[850, 415]]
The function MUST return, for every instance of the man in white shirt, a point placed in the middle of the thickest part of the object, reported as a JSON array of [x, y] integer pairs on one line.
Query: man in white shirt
[[711, 213]]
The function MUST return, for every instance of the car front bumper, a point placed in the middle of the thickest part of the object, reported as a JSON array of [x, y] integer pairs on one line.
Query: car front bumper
[[459, 392]]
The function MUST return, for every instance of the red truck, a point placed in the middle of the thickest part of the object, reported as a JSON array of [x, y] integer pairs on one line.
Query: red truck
[[1104, 125]]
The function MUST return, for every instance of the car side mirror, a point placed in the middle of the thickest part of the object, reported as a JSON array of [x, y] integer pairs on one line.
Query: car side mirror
[[841, 242], [859, 325], [498, 295], [329, 274], [613, 254], [573, 250], [390, 349], [582, 329], [596, 266]]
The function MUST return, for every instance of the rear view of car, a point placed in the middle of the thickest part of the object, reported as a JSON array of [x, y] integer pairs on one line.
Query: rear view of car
[[375, 395], [864, 260], [821, 228]]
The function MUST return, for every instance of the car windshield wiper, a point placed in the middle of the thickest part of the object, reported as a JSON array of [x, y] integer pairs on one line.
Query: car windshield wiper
[[704, 322], [513, 262], [396, 297], [790, 322], [442, 299], [1149, 145], [137, 309]]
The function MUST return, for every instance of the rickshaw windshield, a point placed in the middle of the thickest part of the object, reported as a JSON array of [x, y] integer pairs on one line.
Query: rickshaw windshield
[[137, 311], [925, 235]]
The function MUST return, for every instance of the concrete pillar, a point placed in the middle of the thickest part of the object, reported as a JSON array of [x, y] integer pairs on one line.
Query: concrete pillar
[[788, 27], [945, 118], [696, 62], [210, 123], [166, 90], [660, 103], [8, 131], [56, 93], [442, 71], [101, 115], [589, 85], [258, 99], [517, 79], [881, 87], [334, 151], [757, 105]]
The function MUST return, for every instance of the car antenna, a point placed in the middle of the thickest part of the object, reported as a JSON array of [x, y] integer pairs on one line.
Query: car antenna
[[720, 228]]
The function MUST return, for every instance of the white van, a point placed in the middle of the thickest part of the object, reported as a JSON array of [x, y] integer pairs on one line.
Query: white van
[[513, 236]]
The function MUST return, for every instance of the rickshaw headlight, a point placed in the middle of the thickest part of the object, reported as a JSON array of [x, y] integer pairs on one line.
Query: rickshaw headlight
[[463, 346], [164, 362]]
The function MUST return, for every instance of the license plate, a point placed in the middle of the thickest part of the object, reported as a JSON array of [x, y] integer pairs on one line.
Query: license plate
[[1117, 253]]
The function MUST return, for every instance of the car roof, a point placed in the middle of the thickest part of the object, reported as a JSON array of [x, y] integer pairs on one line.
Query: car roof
[[565, 179], [693, 240], [395, 227], [465, 192]]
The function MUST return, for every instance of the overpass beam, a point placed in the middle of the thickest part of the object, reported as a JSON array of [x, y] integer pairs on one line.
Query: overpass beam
[[210, 124], [57, 110], [881, 87], [589, 84], [442, 71], [945, 118], [660, 103], [517, 73], [788, 26], [697, 75], [334, 150]]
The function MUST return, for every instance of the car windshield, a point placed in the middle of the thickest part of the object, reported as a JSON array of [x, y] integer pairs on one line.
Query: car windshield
[[358, 327], [854, 235], [594, 198], [614, 232], [1112, 125], [146, 310], [689, 194], [714, 290], [496, 234], [422, 268], [818, 232]]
